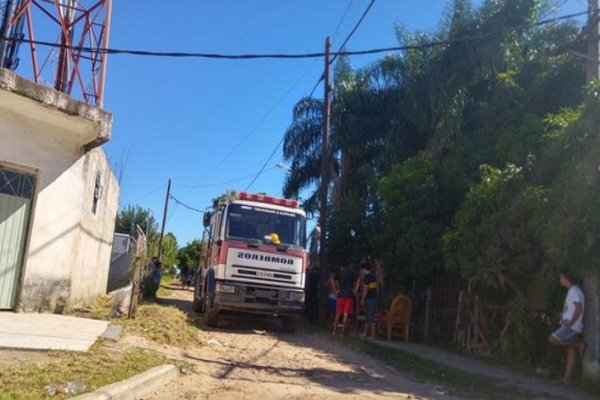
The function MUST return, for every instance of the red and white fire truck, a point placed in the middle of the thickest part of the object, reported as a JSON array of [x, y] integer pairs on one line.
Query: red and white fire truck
[[255, 260]]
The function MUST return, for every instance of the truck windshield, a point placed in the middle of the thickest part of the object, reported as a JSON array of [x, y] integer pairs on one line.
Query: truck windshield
[[258, 223]]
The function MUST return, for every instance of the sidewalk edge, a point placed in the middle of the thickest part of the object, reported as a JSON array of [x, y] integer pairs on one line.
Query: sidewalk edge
[[135, 387]]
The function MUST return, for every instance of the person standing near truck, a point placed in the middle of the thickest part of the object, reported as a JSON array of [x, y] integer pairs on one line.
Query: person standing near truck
[[568, 336], [331, 296], [369, 298], [346, 280]]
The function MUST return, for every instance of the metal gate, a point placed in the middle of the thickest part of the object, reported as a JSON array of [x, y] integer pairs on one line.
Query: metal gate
[[16, 193]]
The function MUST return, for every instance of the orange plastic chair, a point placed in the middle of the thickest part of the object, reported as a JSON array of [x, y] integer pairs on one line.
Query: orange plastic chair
[[396, 320]]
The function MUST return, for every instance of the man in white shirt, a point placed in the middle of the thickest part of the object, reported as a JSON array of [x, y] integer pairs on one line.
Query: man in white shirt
[[568, 335]]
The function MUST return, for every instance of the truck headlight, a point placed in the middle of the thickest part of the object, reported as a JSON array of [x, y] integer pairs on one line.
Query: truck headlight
[[223, 288], [296, 296]]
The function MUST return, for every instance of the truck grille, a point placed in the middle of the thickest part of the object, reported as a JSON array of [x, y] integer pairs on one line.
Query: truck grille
[[264, 275], [263, 296]]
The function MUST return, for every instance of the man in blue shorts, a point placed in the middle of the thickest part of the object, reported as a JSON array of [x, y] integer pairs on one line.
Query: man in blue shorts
[[568, 336]]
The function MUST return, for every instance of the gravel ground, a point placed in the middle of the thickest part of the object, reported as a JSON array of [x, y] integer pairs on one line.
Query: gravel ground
[[249, 358]]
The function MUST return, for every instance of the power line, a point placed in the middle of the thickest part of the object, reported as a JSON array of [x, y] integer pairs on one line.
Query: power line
[[360, 20], [364, 14], [259, 123], [185, 205], [334, 33], [410, 47], [316, 85], [222, 56], [266, 162], [197, 186], [423, 46], [338, 26]]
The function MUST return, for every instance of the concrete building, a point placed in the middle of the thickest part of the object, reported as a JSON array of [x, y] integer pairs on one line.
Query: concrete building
[[58, 198]]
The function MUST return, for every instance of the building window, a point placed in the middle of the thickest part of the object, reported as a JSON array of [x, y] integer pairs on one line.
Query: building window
[[97, 191]]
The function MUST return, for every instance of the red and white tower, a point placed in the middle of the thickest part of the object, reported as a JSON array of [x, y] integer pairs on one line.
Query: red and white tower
[[67, 41]]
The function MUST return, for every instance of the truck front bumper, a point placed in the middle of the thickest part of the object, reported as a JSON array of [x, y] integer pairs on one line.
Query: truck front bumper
[[258, 300]]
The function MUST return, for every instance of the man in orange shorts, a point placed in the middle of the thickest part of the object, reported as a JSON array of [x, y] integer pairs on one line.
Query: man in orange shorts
[[346, 280]]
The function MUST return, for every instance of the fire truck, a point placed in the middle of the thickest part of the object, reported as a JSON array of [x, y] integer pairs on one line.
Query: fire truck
[[255, 259]]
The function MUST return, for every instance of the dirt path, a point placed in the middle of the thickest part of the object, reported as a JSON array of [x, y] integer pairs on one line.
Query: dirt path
[[247, 358]]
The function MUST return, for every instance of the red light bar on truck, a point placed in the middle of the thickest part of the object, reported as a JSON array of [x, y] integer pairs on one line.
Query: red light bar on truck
[[268, 199]]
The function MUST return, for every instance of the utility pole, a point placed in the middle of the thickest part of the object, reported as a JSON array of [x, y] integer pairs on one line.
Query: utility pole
[[593, 44], [164, 221], [324, 188], [591, 278]]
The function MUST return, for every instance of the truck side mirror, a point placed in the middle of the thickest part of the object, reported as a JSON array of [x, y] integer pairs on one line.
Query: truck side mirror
[[206, 218]]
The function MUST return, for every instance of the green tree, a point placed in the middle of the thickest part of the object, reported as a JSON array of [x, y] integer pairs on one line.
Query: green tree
[[132, 215], [170, 251], [190, 254], [302, 151]]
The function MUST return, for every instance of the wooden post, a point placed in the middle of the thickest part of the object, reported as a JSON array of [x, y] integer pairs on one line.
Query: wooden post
[[164, 221], [324, 190]]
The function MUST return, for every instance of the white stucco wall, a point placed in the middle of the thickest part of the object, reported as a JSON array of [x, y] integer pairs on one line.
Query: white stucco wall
[[68, 250], [90, 271]]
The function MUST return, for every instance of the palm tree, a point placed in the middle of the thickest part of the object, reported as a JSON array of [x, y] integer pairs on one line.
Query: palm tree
[[302, 151]]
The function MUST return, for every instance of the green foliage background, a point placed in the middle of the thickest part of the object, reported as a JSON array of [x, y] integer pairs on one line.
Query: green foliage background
[[479, 157]]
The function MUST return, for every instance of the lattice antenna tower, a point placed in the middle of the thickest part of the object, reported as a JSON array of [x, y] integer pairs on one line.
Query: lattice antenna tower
[[78, 31]]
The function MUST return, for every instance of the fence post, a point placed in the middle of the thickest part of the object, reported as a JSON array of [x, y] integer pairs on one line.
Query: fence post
[[427, 314], [140, 259]]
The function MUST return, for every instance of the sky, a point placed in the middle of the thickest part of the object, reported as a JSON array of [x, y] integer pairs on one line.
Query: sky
[[210, 125], [204, 122]]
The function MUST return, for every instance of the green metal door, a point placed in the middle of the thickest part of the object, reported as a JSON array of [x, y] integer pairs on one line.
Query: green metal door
[[16, 192]]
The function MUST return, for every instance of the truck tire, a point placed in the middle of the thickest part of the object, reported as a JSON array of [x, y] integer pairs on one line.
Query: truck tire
[[210, 313], [289, 323], [198, 300]]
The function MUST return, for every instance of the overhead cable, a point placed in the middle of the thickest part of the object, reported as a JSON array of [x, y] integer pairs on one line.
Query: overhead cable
[[322, 77], [241, 178], [341, 52], [266, 162], [362, 17], [185, 205], [222, 56]]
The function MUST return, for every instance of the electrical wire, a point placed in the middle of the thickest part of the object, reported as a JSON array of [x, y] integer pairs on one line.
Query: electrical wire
[[364, 14], [258, 124], [185, 205], [410, 47], [422, 46], [197, 186], [360, 20], [266, 162], [339, 24], [322, 77]]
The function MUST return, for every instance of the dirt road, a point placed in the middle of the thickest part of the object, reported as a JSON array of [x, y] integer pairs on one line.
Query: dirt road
[[249, 359]]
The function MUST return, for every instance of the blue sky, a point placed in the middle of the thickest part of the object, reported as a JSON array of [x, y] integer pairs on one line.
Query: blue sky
[[180, 118]]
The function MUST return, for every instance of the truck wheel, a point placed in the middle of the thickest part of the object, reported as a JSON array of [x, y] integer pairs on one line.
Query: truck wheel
[[198, 301], [210, 313], [289, 323], [197, 304]]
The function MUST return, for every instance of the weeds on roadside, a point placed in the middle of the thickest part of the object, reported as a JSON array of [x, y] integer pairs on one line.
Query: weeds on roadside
[[96, 368], [164, 325]]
